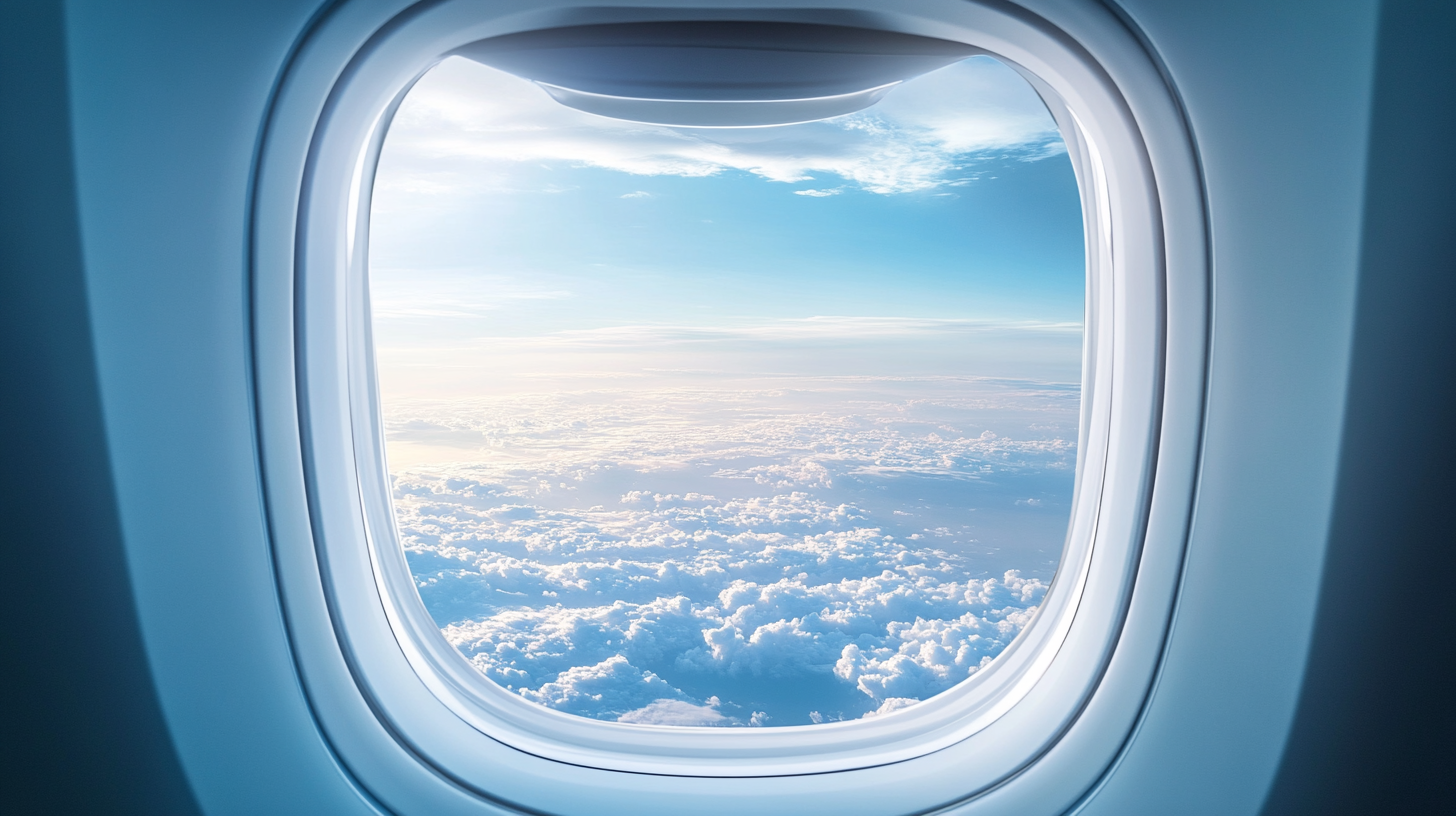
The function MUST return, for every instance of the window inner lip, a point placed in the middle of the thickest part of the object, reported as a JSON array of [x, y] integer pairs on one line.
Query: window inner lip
[[940, 721]]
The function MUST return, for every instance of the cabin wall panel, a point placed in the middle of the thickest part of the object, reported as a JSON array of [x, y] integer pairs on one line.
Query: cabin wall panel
[[81, 728], [169, 99], [1278, 97]]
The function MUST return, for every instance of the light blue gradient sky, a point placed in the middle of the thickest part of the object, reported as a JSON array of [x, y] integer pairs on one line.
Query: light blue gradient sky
[[937, 233]]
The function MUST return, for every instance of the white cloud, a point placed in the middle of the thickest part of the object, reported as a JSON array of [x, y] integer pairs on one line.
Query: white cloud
[[676, 712], [819, 193], [463, 117], [892, 704], [612, 686], [637, 194]]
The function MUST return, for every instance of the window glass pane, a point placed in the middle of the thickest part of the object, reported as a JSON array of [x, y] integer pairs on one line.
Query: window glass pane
[[769, 426]]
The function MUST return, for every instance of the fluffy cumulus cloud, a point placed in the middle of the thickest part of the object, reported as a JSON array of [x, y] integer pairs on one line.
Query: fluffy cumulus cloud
[[612, 555], [929, 133]]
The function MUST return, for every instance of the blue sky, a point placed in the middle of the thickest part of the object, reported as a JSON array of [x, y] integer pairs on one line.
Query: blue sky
[[949, 201], [729, 427]]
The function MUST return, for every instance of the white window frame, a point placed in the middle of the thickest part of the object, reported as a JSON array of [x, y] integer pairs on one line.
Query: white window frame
[[419, 729]]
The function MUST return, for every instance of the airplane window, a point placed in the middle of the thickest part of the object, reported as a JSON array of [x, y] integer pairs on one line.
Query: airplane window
[[766, 426]]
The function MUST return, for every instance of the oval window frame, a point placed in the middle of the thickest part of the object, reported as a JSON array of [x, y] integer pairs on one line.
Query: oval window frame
[[389, 693]]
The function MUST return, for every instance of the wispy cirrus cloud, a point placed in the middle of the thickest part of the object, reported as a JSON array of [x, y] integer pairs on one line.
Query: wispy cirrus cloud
[[927, 134]]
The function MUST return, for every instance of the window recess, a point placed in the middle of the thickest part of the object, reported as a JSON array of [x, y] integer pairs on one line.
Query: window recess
[[415, 724]]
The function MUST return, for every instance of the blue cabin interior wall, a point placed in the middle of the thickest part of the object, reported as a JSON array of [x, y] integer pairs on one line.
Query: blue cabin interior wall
[[82, 728], [1376, 726], [169, 98], [1278, 99]]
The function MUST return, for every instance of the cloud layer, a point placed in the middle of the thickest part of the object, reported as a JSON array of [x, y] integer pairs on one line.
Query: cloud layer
[[730, 558]]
